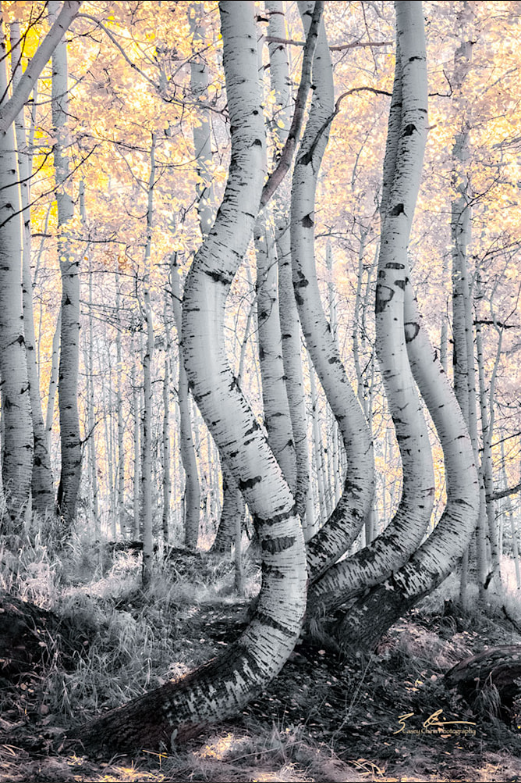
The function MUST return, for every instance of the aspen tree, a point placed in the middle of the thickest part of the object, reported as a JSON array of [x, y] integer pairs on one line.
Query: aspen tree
[[42, 484], [341, 529], [69, 259], [17, 436], [219, 688]]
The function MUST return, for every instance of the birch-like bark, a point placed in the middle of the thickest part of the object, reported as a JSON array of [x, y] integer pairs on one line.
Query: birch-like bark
[[41, 485], [10, 109], [334, 444], [436, 558], [274, 397], [510, 513], [405, 146], [233, 502], [343, 526], [148, 552], [53, 382], [220, 687], [167, 481], [192, 494], [119, 405], [91, 442], [288, 314], [17, 436], [487, 431], [136, 532], [70, 304]]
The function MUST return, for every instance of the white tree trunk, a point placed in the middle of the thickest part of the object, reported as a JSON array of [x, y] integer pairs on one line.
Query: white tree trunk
[[16, 404], [274, 397], [42, 485], [342, 528], [147, 381], [288, 315], [70, 304], [192, 494]]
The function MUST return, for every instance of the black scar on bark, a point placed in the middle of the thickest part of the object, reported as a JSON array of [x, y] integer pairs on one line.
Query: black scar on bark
[[307, 221], [397, 210], [402, 283], [277, 545], [255, 426], [301, 283], [249, 483], [411, 331], [408, 130], [394, 265], [265, 619], [217, 277], [381, 274], [381, 300]]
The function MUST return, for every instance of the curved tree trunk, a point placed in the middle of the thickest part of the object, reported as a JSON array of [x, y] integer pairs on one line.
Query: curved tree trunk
[[345, 522], [16, 404], [365, 623], [233, 509], [221, 686], [70, 305], [288, 314], [42, 485], [404, 154]]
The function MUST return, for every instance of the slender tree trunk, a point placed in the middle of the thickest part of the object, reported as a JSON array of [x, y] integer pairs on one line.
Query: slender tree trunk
[[53, 382], [510, 513], [91, 443], [42, 484], [167, 481], [402, 171], [288, 314], [136, 533], [147, 382], [18, 439], [274, 396], [70, 305], [192, 495], [341, 529], [373, 614], [487, 431], [119, 404]]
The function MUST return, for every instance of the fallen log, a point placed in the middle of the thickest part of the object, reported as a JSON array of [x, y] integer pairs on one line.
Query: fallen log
[[489, 681]]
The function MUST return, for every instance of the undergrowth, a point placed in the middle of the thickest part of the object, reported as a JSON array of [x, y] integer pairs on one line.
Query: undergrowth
[[321, 718]]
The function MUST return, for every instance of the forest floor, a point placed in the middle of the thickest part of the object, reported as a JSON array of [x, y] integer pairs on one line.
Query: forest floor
[[322, 719]]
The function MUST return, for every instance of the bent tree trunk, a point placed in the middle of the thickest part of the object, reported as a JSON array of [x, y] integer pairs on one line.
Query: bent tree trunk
[[348, 517], [371, 616], [220, 687], [288, 314], [16, 404], [405, 145]]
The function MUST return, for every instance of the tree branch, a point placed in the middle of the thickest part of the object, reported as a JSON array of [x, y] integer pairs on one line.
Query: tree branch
[[12, 108], [333, 47], [504, 493], [282, 167]]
